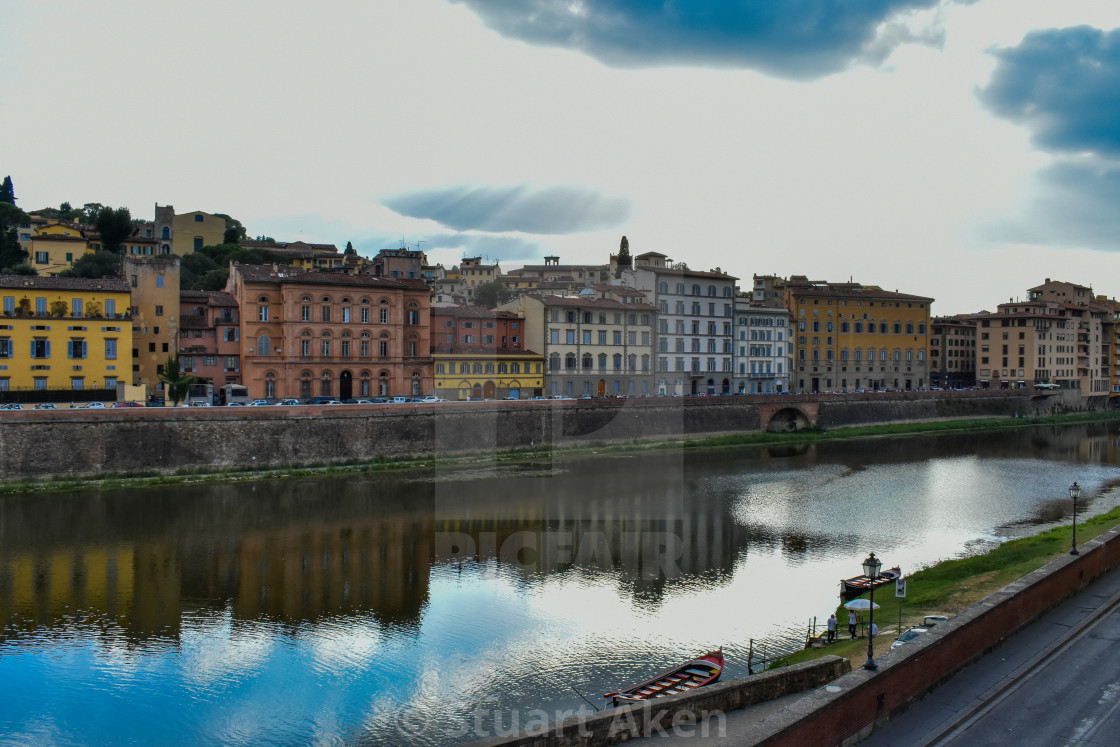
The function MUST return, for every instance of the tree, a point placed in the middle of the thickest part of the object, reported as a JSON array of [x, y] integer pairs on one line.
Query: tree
[[114, 226], [178, 386], [21, 269], [349, 249], [94, 265], [11, 218], [65, 211], [7, 191], [491, 294], [193, 266], [235, 232], [215, 280]]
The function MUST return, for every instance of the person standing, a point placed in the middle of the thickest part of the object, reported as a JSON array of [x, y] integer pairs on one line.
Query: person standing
[[852, 621], [832, 628]]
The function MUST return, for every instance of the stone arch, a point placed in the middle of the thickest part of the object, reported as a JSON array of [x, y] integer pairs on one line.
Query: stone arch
[[788, 420]]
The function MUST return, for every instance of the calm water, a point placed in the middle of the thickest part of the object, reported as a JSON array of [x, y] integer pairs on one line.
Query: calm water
[[444, 607]]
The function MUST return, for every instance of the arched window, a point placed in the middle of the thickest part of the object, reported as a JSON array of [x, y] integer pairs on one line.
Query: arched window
[[909, 328], [680, 289], [897, 355], [554, 362], [696, 289], [844, 355], [264, 345], [587, 361], [570, 362], [711, 290], [269, 385], [305, 385]]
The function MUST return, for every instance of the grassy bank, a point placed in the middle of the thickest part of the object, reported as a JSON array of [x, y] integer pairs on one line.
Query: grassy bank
[[527, 455], [950, 586]]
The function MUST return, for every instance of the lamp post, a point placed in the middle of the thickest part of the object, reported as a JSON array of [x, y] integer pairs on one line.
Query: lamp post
[[1074, 493], [871, 568]]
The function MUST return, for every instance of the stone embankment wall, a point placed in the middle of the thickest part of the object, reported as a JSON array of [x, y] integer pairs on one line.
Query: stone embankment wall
[[44, 443]]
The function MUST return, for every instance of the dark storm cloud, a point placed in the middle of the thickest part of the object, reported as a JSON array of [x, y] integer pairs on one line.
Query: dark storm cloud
[[551, 210], [1064, 86], [795, 39], [1076, 208]]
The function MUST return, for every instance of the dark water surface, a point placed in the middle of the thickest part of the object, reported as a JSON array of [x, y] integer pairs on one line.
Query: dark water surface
[[447, 606]]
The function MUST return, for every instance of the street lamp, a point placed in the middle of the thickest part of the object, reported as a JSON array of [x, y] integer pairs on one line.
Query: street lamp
[[871, 568], [1074, 493]]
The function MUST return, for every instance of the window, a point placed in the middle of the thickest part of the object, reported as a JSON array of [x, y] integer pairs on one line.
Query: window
[[413, 316], [383, 315], [326, 348], [5, 347], [159, 281], [198, 218], [76, 307], [264, 345], [159, 310], [198, 243], [110, 349], [262, 314], [326, 313], [40, 348]]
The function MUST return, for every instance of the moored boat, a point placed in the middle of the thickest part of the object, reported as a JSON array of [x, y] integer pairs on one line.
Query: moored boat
[[683, 678], [853, 587]]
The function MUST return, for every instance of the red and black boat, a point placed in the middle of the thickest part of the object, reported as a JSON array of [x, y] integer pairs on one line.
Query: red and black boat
[[853, 587], [683, 678]]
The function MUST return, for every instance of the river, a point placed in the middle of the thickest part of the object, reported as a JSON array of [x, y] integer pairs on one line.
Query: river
[[440, 607]]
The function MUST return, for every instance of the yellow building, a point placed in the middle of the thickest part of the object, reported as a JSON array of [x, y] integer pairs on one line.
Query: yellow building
[[488, 375], [154, 282], [851, 337], [55, 246], [192, 231], [64, 333]]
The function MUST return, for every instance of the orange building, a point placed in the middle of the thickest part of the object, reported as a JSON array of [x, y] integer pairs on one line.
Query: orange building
[[308, 334]]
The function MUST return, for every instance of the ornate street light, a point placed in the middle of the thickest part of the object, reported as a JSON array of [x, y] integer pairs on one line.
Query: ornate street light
[[871, 568], [1074, 493]]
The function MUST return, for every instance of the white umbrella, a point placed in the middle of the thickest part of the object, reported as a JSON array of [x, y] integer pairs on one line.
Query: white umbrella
[[859, 604]]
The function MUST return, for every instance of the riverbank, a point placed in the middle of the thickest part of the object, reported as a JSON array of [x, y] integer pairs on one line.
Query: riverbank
[[951, 586], [145, 478]]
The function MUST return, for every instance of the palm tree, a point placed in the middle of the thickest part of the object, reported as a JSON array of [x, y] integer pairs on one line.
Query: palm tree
[[178, 385]]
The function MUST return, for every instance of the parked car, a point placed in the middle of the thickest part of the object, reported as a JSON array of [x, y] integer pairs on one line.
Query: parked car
[[432, 398], [321, 400], [288, 402], [259, 403], [11, 406], [95, 406], [353, 401], [46, 406], [235, 404], [198, 403], [126, 404], [909, 635]]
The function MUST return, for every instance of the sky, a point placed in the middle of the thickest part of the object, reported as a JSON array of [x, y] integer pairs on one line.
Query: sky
[[964, 150]]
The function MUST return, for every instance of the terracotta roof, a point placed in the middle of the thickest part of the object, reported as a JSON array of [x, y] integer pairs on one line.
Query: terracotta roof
[[212, 298], [282, 274], [852, 290], [192, 321], [474, 312], [28, 281], [594, 303], [618, 290]]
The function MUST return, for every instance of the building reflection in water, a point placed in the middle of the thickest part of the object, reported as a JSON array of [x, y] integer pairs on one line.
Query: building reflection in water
[[302, 551]]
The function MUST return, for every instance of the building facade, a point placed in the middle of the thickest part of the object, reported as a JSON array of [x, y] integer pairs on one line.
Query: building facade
[[308, 334], [852, 337], [952, 352], [695, 323], [55, 246], [763, 348], [595, 344], [154, 282], [63, 333], [209, 338], [479, 353]]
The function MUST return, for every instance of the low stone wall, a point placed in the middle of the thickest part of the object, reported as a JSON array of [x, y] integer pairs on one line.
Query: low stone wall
[[77, 443], [671, 712], [851, 706]]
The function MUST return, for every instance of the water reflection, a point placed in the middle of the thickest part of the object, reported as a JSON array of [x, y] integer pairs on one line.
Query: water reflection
[[357, 599]]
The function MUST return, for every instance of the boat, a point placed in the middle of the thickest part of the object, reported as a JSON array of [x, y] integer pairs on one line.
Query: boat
[[703, 670], [853, 587]]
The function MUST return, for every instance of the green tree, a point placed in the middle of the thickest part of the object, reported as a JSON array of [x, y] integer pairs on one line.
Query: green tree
[[235, 232], [215, 280], [11, 253], [192, 267], [95, 265], [491, 294], [21, 269], [177, 384], [7, 191], [65, 211], [88, 213], [349, 249], [114, 226]]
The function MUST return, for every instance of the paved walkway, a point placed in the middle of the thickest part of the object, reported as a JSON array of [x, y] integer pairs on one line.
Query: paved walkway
[[1055, 682]]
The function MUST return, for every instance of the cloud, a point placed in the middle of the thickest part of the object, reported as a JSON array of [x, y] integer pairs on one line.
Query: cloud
[[551, 210], [1064, 86], [1074, 207], [794, 39]]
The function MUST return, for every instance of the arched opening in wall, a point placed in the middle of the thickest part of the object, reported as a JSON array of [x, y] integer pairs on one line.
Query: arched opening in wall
[[476, 392], [415, 383], [711, 388], [788, 420], [726, 387], [270, 385], [325, 384], [305, 385], [383, 384], [345, 385], [488, 390], [601, 389]]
